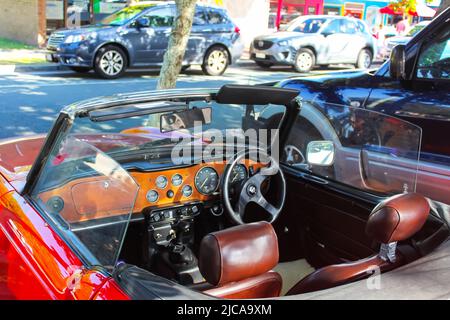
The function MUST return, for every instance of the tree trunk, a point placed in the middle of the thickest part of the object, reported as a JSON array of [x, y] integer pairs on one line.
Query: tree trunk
[[174, 55], [444, 5]]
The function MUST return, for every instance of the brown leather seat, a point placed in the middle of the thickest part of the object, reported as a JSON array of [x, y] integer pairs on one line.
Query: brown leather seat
[[395, 219], [238, 262]]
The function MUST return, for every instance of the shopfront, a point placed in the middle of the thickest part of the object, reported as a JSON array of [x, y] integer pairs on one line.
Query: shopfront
[[284, 11], [75, 13], [367, 10]]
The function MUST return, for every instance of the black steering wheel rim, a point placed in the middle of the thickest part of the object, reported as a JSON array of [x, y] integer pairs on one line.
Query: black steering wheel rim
[[251, 190]]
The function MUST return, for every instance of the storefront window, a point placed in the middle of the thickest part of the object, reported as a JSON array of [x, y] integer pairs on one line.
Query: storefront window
[[67, 13], [103, 8], [332, 11], [355, 10], [290, 10]]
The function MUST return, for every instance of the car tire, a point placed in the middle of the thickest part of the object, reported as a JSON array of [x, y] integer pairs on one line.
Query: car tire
[[263, 64], [80, 69], [364, 59], [305, 59], [110, 62], [216, 61], [184, 68]]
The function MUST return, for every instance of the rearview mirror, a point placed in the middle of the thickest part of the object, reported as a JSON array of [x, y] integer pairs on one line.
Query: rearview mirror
[[320, 153], [397, 62], [185, 119]]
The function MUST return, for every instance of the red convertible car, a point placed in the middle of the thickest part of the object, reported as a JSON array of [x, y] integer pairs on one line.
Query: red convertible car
[[195, 194]]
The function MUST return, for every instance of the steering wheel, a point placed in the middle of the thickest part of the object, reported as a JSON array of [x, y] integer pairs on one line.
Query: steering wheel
[[251, 189]]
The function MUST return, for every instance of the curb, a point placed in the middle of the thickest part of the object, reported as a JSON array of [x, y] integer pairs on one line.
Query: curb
[[54, 67], [26, 68]]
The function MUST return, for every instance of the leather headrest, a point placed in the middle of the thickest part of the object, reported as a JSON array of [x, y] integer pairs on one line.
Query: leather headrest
[[398, 218], [238, 253]]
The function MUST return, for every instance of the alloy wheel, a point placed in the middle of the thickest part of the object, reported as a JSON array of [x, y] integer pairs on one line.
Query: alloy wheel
[[304, 61], [217, 61], [111, 63]]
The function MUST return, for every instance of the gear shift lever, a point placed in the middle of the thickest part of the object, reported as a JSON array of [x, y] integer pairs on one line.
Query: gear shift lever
[[179, 252]]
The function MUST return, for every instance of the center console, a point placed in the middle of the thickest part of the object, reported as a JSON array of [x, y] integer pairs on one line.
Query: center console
[[170, 235]]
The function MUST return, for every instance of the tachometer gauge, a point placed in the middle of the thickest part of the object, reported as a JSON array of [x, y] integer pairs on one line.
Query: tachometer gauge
[[187, 191], [239, 173], [206, 180], [177, 180], [161, 182], [152, 196]]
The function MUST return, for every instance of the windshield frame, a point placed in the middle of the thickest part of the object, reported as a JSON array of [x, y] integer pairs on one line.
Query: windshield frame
[[65, 122]]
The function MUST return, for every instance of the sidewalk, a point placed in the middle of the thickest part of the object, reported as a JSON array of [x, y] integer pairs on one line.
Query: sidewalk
[[23, 60]]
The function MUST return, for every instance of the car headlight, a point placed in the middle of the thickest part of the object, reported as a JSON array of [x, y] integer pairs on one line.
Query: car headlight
[[283, 43], [79, 37]]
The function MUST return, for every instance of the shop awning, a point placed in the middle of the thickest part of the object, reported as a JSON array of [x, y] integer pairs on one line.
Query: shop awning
[[421, 10]]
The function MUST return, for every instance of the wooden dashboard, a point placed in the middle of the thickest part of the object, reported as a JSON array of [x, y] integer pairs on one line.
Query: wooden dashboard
[[99, 197]]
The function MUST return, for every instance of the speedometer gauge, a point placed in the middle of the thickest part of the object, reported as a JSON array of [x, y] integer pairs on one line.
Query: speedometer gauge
[[239, 173], [161, 182], [206, 180]]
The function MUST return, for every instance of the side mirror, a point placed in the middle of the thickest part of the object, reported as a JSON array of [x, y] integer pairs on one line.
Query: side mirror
[[320, 153], [397, 62], [142, 22]]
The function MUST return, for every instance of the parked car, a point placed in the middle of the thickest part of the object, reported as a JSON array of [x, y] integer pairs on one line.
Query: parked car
[[395, 40], [138, 36], [102, 209], [316, 40], [413, 85]]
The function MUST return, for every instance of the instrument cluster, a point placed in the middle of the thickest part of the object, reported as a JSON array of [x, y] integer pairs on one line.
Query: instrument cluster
[[205, 183], [162, 182]]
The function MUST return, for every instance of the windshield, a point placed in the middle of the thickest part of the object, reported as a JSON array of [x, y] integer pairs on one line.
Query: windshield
[[306, 26], [73, 203], [88, 184], [372, 151], [121, 17]]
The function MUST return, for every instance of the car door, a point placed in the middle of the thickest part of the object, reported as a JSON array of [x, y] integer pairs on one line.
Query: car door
[[150, 43], [334, 44], [354, 40], [424, 101], [327, 206], [199, 38], [161, 21]]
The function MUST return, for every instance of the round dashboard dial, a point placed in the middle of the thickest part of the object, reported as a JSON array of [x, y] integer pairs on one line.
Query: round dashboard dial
[[206, 180], [239, 173], [177, 180], [152, 196], [161, 182], [187, 191]]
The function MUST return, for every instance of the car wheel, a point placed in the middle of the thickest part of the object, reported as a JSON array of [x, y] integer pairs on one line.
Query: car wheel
[[304, 60], [80, 69], [216, 61], [110, 62], [184, 68], [364, 59], [263, 64]]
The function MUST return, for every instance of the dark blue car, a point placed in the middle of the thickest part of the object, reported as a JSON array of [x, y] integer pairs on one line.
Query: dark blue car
[[138, 36], [413, 85]]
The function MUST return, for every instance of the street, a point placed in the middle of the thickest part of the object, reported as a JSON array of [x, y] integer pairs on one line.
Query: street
[[30, 102]]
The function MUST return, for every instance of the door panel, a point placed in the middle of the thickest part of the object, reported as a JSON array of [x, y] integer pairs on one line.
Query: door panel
[[330, 226]]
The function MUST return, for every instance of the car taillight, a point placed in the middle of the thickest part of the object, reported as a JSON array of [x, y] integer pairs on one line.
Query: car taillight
[[237, 30]]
